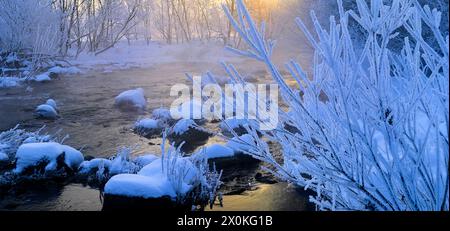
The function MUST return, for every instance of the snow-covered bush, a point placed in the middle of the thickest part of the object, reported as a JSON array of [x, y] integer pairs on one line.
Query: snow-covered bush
[[185, 180], [29, 29], [10, 140], [373, 124]]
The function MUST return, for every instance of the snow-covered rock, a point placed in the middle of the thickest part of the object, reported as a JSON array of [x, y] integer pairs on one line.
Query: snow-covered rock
[[3, 157], [46, 111], [132, 185], [152, 182], [132, 99], [64, 70], [163, 115], [10, 81], [32, 154], [44, 77], [91, 166], [145, 159], [242, 144], [238, 126], [148, 128], [186, 130], [215, 151], [52, 103]]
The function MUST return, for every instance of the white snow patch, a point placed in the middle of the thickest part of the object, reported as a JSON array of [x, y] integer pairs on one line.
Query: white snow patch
[[147, 124], [132, 185], [3, 157], [88, 165], [44, 77], [215, 151], [32, 153], [134, 98], [46, 111], [183, 126], [244, 143], [145, 159], [64, 70]]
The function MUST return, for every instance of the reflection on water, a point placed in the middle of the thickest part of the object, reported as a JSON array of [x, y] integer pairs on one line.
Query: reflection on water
[[73, 197], [267, 197]]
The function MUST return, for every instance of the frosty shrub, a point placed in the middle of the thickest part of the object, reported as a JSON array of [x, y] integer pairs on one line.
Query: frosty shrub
[[371, 125], [29, 27]]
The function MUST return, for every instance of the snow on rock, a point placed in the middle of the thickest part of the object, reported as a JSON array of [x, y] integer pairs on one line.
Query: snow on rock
[[3, 157], [132, 99], [64, 70], [132, 185], [182, 165], [152, 182], [186, 130], [52, 103], [44, 77], [215, 151], [90, 166], [10, 81], [148, 128], [242, 144], [163, 115], [46, 111], [29, 155], [237, 125], [145, 159]]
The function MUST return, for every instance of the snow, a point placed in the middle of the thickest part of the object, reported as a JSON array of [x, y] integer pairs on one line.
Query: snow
[[147, 124], [244, 143], [132, 185], [64, 70], [145, 159], [234, 123], [44, 77], [46, 111], [88, 165], [52, 103], [134, 98], [151, 181], [162, 114], [3, 157], [183, 126], [215, 151], [32, 153], [10, 81]]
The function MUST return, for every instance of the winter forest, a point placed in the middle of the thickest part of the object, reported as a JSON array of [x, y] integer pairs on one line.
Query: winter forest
[[224, 105]]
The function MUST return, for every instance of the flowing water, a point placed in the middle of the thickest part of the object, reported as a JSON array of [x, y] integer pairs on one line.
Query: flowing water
[[94, 125]]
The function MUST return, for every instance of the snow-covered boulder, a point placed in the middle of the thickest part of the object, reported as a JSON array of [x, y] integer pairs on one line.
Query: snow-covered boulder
[[145, 159], [49, 110], [133, 185], [3, 157], [242, 144], [54, 155], [148, 128], [64, 70], [44, 77], [131, 99], [92, 166], [163, 115], [52, 103], [186, 130], [215, 151], [238, 126], [225, 158], [151, 186]]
